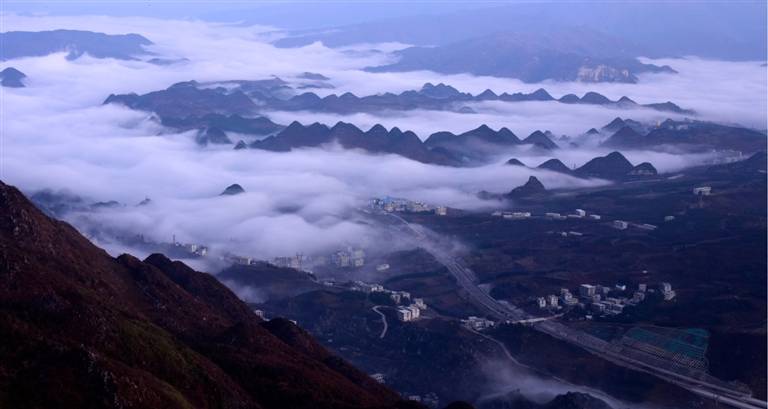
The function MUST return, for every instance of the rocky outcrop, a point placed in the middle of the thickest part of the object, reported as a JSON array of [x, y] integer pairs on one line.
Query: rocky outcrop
[[533, 187], [233, 189], [612, 166], [12, 78], [515, 162], [540, 140], [555, 165]]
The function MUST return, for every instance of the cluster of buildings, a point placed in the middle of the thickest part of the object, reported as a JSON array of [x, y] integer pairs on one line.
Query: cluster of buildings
[[620, 224], [702, 190], [667, 292], [295, 262], [393, 204], [379, 377], [577, 214], [511, 215], [196, 249], [429, 400], [191, 248], [408, 308], [602, 300], [477, 323], [582, 214], [349, 257], [241, 260], [408, 313]]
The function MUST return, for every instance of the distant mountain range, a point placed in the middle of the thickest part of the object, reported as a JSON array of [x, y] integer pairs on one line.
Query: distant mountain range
[[194, 98], [186, 99], [715, 30], [18, 44], [446, 97], [443, 148], [220, 109], [613, 166], [233, 123], [233, 106], [619, 123], [83, 329], [562, 56], [12, 78], [691, 135]]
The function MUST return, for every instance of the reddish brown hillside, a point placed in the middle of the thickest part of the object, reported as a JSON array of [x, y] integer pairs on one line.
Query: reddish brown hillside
[[82, 329]]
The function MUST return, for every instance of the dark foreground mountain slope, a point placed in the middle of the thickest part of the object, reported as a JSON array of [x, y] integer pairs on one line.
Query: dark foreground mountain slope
[[80, 328]]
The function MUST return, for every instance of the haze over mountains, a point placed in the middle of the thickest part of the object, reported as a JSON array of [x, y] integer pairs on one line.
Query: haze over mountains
[[518, 205], [445, 97], [191, 105], [561, 56], [18, 44], [534, 42], [194, 98], [443, 148], [613, 166], [706, 29], [693, 133], [721, 31]]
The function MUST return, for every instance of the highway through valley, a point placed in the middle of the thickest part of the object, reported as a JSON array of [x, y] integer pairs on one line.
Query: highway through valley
[[697, 382]]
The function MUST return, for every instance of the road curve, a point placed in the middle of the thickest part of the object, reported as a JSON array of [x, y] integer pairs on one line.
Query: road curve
[[383, 319]]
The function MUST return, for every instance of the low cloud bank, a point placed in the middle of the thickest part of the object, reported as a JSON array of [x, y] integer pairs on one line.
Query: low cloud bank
[[57, 135], [299, 201]]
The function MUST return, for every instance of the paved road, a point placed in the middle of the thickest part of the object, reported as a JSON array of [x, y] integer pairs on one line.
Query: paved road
[[537, 319], [709, 387], [383, 319]]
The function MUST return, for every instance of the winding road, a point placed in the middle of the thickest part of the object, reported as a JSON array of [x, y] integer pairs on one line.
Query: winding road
[[383, 319]]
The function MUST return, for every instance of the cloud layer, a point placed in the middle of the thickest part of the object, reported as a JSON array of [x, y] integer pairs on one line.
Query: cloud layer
[[57, 135]]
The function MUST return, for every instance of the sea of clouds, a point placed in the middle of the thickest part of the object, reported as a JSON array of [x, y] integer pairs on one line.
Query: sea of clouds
[[56, 134]]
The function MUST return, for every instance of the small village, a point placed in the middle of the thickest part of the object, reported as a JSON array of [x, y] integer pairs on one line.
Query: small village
[[601, 300], [393, 204], [408, 308], [355, 257], [581, 214]]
